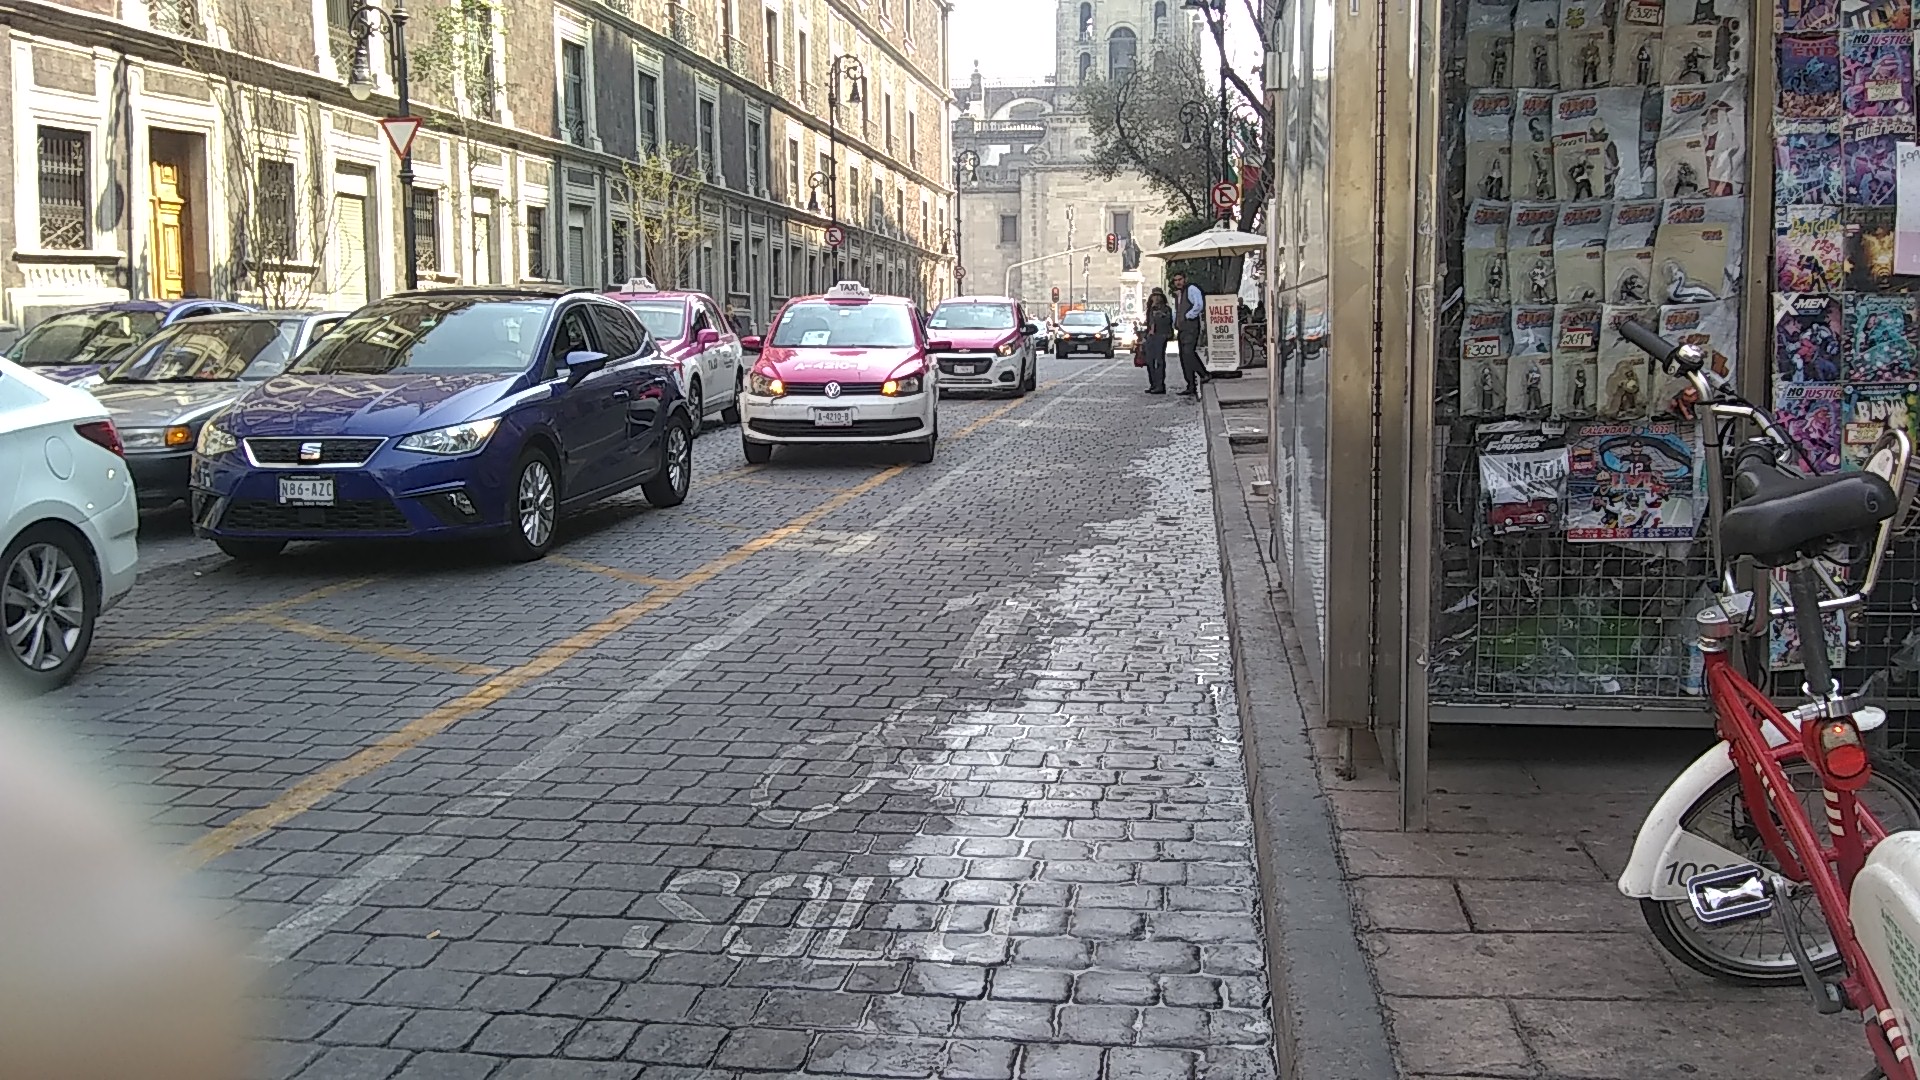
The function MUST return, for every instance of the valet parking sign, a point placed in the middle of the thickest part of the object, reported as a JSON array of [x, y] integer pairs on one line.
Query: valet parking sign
[[1223, 333]]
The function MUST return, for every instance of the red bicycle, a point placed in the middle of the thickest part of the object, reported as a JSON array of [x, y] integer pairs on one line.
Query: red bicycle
[[1781, 854]]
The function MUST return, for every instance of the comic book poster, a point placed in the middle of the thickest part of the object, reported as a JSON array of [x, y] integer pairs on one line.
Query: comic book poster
[[1523, 474], [1484, 252], [1809, 249], [1870, 152], [1714, 328], [1536, 44], [1691, 54], [1596, 141], [1808, 339], [1811, 415], [1533, 145], [1580, 252], [1637, 481], [1800, 16], [1868, 411], [1483, 362], [1870, 242], [1783, 646], [1876, 14], [1880, 343], [1809, 75], [1696, 252], [1807, 163], [1876, 72]]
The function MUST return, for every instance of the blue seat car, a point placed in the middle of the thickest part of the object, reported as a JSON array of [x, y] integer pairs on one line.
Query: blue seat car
[[443, 414], [73, 346]]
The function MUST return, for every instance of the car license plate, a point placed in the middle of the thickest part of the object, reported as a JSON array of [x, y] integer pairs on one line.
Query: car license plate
[[306, 491], [833, 418], [966, 369]]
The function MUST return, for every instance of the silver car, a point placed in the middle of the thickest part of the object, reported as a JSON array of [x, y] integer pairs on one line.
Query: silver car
[[165, 390]]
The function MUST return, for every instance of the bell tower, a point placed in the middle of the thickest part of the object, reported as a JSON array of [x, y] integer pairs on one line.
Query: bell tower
[[1099, 39]]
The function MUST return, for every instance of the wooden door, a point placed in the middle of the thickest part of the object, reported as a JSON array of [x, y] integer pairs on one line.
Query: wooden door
[[351, 284], [169, 265]]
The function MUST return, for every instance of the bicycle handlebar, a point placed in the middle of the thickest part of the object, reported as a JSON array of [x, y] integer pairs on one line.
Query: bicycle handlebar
[[1653, 345]]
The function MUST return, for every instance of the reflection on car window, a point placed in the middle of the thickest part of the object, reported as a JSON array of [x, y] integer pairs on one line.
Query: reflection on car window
[[621, 335], [824, 325], [198, 350], [570, 336], [666, 320], [972, 317], [429, 335], [1085, 318], [83, 337]]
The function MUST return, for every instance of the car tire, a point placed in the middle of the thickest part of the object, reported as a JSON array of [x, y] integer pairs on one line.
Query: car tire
[[731, 414], [1020, 386], [922, 453], [73, 607], [697, 404], [757, 453], [251, 550], [669, 486], [1109, 353], [1061, 352], [533, 507], [1033, 375]]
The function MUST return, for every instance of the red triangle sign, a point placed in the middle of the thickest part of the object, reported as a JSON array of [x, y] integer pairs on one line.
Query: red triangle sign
[[400, 132]]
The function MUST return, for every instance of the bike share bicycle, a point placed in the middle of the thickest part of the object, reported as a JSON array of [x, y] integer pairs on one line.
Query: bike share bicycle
[[1730, 860]]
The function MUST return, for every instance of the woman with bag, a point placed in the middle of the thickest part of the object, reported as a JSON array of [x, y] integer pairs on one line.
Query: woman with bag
[[1153, 345]]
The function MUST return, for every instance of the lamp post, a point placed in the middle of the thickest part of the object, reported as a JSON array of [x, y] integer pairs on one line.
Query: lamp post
[[1193, 114], [1219, 24], [965, 164], [366, 19], [845, 71], [815, 183]]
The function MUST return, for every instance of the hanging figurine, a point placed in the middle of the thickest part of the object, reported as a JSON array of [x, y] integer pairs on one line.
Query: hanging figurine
[[1543, 174], [1579, 402], [1643, 64], [1486, 391], [1540, 282], [1497, 277], [1542, 65], [1692, 66], [1682, 289], [1497, 63], [1589, 64], [1626, 395], [1494, 186], [1703, 12], [1597, 135], [1633, 288], [1580, 173], [1534, 404], [1686, 180]]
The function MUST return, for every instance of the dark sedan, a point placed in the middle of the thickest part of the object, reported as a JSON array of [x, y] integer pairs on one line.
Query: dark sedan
[[1084, 332], [161, 393], [74, 346], [444, 414]]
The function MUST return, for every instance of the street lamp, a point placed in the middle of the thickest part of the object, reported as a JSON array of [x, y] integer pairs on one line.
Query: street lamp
[[815, 183], [845, 71], [966, 165], [364, 20]]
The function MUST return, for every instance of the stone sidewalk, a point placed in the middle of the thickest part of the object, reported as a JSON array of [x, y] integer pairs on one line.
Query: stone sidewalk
[[1497, 944]]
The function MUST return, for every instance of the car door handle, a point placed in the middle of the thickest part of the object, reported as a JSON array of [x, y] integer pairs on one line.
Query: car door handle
[[623, 393]]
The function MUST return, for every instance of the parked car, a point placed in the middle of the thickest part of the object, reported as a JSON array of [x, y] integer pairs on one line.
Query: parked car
[[445, 414], [992, 343], [74, 345], [68, 522], [168, 386], [844, 367], [1126, 335], [702, 346], [1084, 332]]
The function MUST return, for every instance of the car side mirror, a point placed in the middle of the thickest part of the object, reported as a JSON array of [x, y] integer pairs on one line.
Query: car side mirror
[[1029, 330], [752, 343], [940, 345], [582, 363], [707, 337]]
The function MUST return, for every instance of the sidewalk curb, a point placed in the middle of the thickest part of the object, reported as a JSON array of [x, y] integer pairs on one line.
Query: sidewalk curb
[[1329, 1023]]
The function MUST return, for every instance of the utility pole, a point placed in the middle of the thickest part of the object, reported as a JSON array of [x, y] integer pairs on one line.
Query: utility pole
[[1086, 279]]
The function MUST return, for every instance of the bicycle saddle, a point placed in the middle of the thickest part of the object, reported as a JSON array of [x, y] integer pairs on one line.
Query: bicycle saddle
[[1780, 515]]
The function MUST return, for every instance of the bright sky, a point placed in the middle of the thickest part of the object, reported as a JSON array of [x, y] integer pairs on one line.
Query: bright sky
[[1013, 39]]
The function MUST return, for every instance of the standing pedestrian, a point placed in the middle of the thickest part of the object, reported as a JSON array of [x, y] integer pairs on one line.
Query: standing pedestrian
[[1153, 346], [1189, 309]]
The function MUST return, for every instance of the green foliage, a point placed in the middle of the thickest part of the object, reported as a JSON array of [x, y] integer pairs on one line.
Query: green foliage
[[662, 193], [1181, 226], [457, 63], [1138, 127]]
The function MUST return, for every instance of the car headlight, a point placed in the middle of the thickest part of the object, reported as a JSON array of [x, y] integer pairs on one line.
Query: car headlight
[[457, 439], [765, 385], [157, 438], [214, 441], [901, 387], [1007, 349], [1101, 334]]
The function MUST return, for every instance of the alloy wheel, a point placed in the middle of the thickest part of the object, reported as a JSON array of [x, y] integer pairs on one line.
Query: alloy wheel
[[43, 607], [679, 457], [536, 503]]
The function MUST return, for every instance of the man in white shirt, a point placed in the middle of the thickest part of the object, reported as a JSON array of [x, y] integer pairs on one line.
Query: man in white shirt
[[1189, 312]]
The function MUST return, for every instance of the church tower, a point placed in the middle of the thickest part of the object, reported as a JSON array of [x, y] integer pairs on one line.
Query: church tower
[[1105, 39]]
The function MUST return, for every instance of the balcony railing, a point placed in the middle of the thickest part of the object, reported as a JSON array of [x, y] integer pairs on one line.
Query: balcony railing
[[680, 22], [178, 18], [735, 49], [780, 81]]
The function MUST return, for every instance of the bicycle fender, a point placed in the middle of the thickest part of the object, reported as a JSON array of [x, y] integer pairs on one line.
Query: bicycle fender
[[1665, 855]]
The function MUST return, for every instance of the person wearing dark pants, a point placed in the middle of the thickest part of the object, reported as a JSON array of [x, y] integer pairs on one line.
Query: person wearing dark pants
[[1189, 307], [1153, 344]]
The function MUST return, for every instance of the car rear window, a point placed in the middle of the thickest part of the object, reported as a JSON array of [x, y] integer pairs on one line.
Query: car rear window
[[1085, 318], [666, 320], [819, 324], [972, 316]]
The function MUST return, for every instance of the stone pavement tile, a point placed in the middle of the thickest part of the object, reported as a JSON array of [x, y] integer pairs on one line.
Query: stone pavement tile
[[676, 1044], [544, 1069], [1483, 856], [355, 1063], [1133, 1064], [873, 1055], [1409, 903], [764, 1048], [979, 1059], [1779, 1040], [1555, 813], [601, 1039], [1060, 1062], [439, 1029], [437, 1066], [1608, 966], [1467, 1036], [366, 1025], [524, 1036], [1537, 906]]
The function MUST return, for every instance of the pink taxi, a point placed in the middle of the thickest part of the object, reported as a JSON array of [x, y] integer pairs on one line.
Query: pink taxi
[[697, 341], [993, 345], [844, 367]]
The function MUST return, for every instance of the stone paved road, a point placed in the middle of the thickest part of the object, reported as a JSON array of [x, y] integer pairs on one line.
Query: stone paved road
[[843, 768]]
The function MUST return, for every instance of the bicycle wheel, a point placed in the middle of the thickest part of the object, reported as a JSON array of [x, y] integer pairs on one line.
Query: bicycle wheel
[[1753, 952]]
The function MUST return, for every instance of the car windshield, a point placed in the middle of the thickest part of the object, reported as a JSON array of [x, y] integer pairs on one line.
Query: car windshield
[[201, 350], [83, 337], [972, 317], [823, 325], [1085, 318], [423, 334], [666, 320]]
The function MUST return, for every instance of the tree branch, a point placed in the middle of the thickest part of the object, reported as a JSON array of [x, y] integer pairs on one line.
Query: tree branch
[[1144, 162]]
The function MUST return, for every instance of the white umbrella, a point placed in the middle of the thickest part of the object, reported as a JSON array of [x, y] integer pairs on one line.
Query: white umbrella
[[1213, 243]]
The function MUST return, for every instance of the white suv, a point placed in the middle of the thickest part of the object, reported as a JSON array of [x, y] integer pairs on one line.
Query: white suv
[[68, 522]]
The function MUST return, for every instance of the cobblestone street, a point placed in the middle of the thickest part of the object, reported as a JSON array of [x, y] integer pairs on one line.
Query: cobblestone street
[[844, 767]]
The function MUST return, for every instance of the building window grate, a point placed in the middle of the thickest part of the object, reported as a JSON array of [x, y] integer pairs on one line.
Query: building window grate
[[273, 211], [426, 230], [63, 189], [617, 250], [536, 241]]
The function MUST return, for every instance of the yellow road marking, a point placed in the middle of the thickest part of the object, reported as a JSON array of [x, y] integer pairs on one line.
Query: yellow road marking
[[609, 571], [308, 793], [233, 618], [376, 648]]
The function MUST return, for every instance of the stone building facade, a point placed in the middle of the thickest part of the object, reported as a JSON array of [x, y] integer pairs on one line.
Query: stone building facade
[[163, 147], [1033, 221]]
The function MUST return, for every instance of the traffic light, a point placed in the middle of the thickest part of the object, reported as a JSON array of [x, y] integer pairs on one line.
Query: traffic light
[[1056, 294], [1113, 242]]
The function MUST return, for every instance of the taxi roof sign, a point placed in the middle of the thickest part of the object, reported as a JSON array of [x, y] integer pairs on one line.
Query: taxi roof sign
[[640, 284], [849, 290]]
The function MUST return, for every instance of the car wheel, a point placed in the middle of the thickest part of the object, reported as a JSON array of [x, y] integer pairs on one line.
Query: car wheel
[[923, 450], [669, 486], [49, 599], [1061, 352], [697, 404], [1033, 375], [1109, 353], [533, 507], [251, 550], [1020, 386], [757, 453], [731, 414]]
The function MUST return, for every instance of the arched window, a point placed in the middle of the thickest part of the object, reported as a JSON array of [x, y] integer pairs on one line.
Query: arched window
[[1086, 22], [1160, 20], [1122, 49], [1086, 65]]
